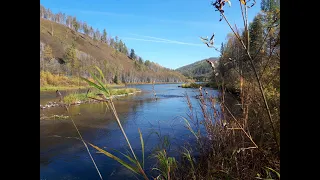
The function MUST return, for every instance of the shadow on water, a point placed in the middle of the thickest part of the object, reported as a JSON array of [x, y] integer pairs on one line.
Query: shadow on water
[[63, 156]]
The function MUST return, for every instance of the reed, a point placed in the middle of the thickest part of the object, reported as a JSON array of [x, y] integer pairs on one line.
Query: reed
[[104, 92]]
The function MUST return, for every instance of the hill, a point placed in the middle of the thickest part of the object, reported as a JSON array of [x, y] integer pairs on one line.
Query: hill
[[199, 70], [70, 47]]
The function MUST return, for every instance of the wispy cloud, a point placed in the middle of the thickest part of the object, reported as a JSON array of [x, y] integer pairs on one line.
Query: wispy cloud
[[190, 23], [150, 40], [106, 13], [160, 40], [170, 21]]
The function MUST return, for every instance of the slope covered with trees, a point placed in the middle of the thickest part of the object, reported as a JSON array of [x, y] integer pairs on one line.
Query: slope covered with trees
[[70, 47], [200, 70]]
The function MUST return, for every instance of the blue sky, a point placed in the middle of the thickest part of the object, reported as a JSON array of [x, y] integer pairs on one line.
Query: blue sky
[[163, 31]]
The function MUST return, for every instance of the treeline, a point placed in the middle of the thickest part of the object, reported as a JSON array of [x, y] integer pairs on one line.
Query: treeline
[[82, 27], [75, 62]]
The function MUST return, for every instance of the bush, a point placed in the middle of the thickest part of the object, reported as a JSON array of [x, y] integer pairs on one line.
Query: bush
[[49, 79]]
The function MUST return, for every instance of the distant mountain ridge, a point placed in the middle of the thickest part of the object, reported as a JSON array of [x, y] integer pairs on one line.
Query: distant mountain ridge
[[199, 70]]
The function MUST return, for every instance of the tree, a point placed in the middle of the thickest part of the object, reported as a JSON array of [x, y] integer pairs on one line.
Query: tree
[[116, 43], [97, 34], [269, 5], [49, 14], [120, 46], [91, 32], [71, 58], [47, 54], [80, 26], [137, 65], [256, 33], [147, 63], [104, 36], [140, 60], [70, 63], [69, 21], [63, 18], [56, 17], [85, 28], [94, 36], [112, 43], [132, 54], [116, 38], [42, 11], [125, 49], [75, 24]]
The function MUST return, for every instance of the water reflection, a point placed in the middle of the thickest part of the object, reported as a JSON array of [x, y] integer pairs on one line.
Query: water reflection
[[62, 156]]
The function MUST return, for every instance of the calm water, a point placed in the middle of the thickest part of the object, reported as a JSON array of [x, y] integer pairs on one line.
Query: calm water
[[64, 157]]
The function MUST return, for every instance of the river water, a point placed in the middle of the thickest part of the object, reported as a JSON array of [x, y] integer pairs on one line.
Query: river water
[[63, 156]]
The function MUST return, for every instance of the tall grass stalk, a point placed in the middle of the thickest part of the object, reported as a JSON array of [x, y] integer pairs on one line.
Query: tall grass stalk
[[154, 92], [84, 143], [105, 91], [166, 165]]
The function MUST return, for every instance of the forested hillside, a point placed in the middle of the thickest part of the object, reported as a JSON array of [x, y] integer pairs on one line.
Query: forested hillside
[[200, 70], [70, 47]]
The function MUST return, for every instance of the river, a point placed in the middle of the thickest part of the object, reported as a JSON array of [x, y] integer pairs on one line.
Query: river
[[62, 156]]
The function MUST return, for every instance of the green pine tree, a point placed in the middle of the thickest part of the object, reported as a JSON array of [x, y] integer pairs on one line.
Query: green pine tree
[[140, 60], [256, 34], [132, 54], [104, 36]]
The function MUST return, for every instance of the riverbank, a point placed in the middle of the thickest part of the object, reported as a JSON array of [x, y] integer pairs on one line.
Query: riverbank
[[154, 83], [80, 98], [197, 85], [53, 82], [231, 90], [54, 88]]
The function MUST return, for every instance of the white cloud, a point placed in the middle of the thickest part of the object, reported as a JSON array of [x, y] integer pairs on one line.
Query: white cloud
[[160, 40]]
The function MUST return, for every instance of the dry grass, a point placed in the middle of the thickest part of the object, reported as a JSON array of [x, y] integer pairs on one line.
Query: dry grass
[[65, 36], [241, 139], [225, 149], [191, 85], [48, 79], [53, 82]]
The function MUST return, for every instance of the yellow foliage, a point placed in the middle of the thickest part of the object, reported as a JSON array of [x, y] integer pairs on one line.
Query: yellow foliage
[[46, 78]]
